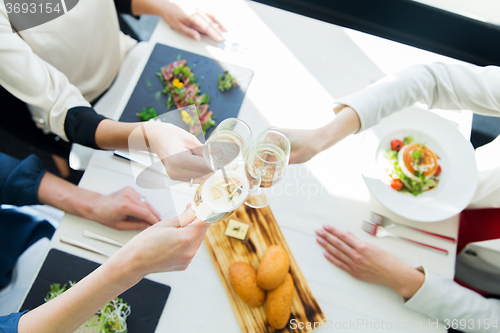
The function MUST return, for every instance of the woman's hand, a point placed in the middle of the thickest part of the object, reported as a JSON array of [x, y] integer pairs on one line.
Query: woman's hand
[[367, 262], [123, 210], [308, 143], [163, 247], [304, 144], [169, 245], [192, 21], [181, 152]]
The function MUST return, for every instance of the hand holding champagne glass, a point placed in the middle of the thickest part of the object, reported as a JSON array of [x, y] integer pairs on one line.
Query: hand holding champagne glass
[[269, 154], [226, 143], [226, 190]]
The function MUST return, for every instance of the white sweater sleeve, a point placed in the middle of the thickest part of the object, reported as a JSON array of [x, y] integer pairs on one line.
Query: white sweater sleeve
[[444, 299], [439, 85], [46, 90]]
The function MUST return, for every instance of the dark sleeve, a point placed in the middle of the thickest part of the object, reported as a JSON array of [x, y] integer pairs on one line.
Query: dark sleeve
[[8, 324], [123, 6], [19, 180], [81, 124]]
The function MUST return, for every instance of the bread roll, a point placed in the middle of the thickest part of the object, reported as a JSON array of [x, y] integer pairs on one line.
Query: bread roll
[[244, 281], [279, 303], [273, 268]]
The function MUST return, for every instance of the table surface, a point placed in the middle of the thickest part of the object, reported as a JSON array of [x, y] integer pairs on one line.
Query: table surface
[[292, 57]]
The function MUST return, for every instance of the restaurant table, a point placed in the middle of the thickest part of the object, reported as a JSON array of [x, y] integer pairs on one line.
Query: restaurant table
[[301, 65]]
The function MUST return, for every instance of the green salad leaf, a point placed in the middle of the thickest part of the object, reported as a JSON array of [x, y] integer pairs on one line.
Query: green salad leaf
[[112, 316], [147, 113]]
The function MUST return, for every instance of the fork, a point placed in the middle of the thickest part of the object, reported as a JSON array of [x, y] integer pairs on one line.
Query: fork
[[380, 232], [386, 223]]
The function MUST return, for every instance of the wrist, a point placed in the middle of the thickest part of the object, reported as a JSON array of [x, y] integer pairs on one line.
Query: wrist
[[407, 281], [323, 138], [87, 204], [127, 265]]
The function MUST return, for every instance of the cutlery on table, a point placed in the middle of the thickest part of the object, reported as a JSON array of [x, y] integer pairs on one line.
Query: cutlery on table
[[380, 232], [101, 238], [72, 242], [386, 223]]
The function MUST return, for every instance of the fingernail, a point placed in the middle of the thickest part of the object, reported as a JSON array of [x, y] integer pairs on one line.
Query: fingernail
[[320, 240], [327, 227], [327, 254], [320, 232]]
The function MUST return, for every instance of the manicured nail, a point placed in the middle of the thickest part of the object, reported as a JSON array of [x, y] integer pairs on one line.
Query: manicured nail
[[327, 254], [327, 227], [320, 232], [320, 240]]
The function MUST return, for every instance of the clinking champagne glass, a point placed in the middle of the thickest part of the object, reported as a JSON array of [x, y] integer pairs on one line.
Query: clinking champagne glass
[[226, 190], [227, 142], [269, 154]]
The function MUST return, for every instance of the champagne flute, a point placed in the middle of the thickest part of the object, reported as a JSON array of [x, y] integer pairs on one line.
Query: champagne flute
[[227, 142], [226, 190], [269, 154]]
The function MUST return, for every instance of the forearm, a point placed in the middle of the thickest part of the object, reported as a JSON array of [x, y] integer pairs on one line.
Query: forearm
[[71, 309], [137, 136], [405, 280], [443, 299], [58, 193], [147, 7], [346, 122], [119, 135]]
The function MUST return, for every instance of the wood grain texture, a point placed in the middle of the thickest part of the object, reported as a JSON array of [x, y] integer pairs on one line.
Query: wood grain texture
[[264, 231]]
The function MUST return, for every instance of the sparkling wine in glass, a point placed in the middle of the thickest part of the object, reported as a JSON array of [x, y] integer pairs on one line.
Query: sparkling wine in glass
[[226, 190], [269, 155], [227, 143]]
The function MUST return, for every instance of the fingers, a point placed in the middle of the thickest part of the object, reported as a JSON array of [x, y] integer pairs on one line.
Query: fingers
[[136, 197], [223, 28], [331, 258], [153, 210], [185, 166], [131, 225], [203, 23], [348, 238], [184, 219], [198, 151], [187, 217], [141, 212], [332, 241], [334, 251], [184, 29], [197, 230]]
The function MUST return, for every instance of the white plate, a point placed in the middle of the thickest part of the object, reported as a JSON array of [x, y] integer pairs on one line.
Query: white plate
[[458, 180]]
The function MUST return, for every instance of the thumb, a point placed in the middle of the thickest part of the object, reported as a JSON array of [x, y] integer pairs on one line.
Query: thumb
[[187, 217], [198, 228], [182, 220], [189, 31], [198, 150]]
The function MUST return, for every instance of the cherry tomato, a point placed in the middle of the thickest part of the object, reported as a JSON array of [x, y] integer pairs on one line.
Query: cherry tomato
[[396, 145], [438, 171], [396, 184]]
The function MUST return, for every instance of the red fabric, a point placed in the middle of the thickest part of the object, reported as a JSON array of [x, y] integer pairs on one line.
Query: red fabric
[[477, 225]]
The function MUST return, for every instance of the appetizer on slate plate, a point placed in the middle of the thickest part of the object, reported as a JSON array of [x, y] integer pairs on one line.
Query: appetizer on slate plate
[[415, 167], [226, 81], [147, 113], [111, 318], [182, 89]]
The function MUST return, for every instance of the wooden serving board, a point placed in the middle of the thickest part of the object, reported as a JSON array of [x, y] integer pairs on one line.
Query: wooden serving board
[[263, 232]]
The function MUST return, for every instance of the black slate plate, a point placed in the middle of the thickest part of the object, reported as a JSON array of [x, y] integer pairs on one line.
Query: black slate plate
[[147, 92], [147, 298]]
